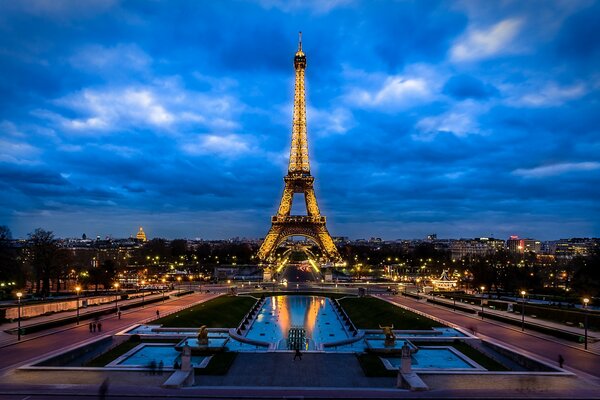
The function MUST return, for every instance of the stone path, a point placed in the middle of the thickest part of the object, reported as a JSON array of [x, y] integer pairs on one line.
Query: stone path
[[25, 351], [542, 346], [280, 369]]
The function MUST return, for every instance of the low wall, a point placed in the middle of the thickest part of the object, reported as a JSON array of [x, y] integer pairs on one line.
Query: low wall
[[34, 310], [512, 381], [86, 376], [78, 356]]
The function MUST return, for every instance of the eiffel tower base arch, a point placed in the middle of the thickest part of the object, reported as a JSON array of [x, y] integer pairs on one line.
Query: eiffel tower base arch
[[298, 226]]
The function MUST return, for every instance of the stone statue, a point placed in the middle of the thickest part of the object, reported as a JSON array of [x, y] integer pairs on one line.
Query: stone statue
[[406, 362], [389, 334], [203, 336]]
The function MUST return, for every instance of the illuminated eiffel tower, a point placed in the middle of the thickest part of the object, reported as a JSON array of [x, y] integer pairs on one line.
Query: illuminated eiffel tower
[[298, 180]]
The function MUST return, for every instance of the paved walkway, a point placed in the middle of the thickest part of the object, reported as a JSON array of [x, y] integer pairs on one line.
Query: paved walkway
[[10, 338], [542, 346], [280, 370], [593, 336], [58, 341]]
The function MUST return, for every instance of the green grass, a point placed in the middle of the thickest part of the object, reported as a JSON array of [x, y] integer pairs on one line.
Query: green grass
[[372, 366], [219, 364], [474, 354], [222, 312], [369, 313]]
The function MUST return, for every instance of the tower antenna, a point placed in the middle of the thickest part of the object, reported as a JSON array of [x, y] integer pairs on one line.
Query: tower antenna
[[300, 41]]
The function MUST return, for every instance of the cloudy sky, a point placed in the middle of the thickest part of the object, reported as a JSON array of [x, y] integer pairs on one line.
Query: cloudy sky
[[464, 119]]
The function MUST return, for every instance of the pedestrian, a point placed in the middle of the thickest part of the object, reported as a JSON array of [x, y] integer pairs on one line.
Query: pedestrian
[[161, 365], [103, 389], [157, 314], [119, 314], [99, 326], [93, 327], [561, 360], [90, 327], [298, 354], [152, 367]]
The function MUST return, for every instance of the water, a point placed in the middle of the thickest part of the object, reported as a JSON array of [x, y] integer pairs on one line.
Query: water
[[434, 333], [212, 341], [166, 353], [152, 330], [315, 314], [434, 358], [381, 344]]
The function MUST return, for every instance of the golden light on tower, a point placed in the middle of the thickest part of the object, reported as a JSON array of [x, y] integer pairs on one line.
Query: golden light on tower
[[298, 180]]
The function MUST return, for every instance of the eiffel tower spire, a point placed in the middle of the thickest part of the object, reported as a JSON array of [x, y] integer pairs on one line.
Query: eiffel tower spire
[[298, 180], [299, 150]]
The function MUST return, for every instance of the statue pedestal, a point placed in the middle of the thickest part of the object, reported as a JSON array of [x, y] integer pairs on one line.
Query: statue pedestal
[[186, 358]]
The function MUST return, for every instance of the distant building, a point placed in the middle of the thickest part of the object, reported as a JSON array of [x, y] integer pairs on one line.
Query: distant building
[[141, 235], [518, 245], [462, 248], [570, 248]]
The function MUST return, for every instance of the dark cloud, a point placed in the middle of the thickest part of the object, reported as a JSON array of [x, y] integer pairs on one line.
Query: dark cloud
[[178, 117], [468, 87]]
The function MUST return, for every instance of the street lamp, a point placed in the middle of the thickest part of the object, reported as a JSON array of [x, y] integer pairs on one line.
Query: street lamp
[[454, 306], [482, 289], [117, 296], [19, 294], [143, 292], [179, 284], [523, 293], [191, 278], [163, 289], [585, 304], [77, 289]]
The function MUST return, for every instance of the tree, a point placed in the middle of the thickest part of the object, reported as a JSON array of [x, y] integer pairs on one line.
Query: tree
[[9, 266], [43, 251], [586, 278]]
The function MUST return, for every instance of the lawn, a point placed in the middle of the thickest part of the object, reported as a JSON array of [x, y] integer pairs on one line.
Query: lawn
[[219, 364], [369, 313], [372, 366], [222, 312]]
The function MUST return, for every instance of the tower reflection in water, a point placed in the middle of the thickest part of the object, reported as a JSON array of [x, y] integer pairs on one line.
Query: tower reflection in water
[[297, 312]]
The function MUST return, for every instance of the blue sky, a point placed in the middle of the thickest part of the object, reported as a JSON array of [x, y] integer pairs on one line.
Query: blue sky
[[464, 119]]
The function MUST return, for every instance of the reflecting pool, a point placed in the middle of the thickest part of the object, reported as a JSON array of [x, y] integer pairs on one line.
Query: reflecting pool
[[143, 355], [435, 358], [316, 315]]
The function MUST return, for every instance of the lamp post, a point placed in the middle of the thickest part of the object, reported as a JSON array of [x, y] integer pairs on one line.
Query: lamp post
[[19, 294], [523, 293], [454, 306], [191, 278], [143, 292], [179, 284], [482, 289], [163, 289], [117, 296], [585, 304], [77, 289]]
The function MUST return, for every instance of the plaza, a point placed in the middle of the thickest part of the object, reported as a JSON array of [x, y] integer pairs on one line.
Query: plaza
[[517, 364]]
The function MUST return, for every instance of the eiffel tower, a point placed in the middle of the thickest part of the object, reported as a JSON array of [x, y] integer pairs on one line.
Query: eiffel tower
[[298, 180]]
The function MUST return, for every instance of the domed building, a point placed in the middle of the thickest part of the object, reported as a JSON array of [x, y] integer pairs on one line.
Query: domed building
[[141, 235]]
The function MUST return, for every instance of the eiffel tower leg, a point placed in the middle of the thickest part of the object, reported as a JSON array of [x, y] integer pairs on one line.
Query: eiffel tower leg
[[271, 240], [327, 243], [285, 206], [312, 208]]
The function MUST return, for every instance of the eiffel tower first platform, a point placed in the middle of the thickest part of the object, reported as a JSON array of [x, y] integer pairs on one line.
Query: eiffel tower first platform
[[298, 180]]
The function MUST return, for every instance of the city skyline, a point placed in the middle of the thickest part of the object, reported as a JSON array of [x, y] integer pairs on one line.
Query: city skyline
[[478, 122]]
